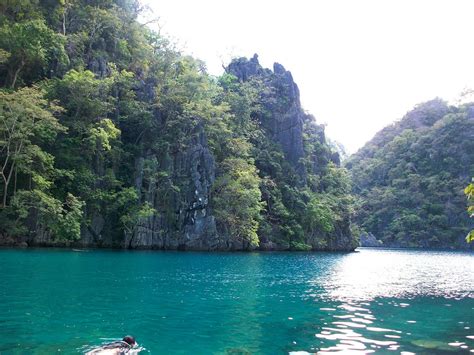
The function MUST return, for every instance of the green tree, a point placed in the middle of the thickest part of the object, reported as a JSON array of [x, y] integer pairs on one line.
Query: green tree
[[144, 130], [469, 191], [30, 45], [27, 121], [236, 201], [61, 219], [409, 176]]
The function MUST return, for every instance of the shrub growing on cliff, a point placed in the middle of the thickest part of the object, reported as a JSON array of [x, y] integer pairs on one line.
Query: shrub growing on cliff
[[155, 147], [61, 219], [236, 201], [469, 191], [27, 124]]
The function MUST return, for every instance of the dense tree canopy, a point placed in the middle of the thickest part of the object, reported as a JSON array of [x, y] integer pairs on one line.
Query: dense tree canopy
[[411, 176], [111, 136]]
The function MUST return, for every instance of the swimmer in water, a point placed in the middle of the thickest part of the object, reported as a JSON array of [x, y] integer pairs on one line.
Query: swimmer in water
[[123, 346]]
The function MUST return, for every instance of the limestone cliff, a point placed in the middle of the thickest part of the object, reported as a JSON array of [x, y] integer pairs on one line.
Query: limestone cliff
[[306, 151], [175, 176], [284, 123], [191, 225]]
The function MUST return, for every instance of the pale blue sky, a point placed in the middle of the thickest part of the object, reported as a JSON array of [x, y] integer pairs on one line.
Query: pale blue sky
[[360, 64]]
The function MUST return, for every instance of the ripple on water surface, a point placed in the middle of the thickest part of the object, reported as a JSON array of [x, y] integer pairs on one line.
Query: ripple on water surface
[[259, 303], [395, 288]]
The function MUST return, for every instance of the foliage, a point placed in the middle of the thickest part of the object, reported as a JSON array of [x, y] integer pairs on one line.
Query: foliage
[[236, 200], [107, 129], [62, 220], [27, 122], [410, 177], [30, 47], [469, 192], [301, 210]]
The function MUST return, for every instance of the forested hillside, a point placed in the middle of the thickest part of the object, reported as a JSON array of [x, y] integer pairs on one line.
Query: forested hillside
[[111, 137], [410, 178]]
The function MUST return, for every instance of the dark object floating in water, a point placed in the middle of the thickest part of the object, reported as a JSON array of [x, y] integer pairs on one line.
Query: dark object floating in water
[[125, 346]]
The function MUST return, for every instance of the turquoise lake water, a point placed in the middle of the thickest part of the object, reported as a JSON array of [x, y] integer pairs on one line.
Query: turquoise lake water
[[387, 301]]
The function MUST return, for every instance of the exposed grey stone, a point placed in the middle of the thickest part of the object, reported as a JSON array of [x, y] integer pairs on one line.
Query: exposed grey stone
[[189, 224], [283, 102], [369, 240], [195, 228]]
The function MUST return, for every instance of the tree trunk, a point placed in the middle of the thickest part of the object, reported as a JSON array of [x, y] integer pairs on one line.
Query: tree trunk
[[7, 181], [15, 76], [5, 192], [64, 22], [15, 181]]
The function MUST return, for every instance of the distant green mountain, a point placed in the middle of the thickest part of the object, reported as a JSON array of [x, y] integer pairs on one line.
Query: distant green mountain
[[410, 178]]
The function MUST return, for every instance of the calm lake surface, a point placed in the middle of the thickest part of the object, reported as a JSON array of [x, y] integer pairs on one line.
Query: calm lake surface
[[382, 301]]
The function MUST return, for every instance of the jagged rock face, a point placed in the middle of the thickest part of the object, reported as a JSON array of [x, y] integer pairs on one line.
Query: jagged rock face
[[284, 122], [287, 123], [244, 68], [99, 66], [183, 218], [315, 135], [192, 226], [369, 240], [343, 239], [283, 103]]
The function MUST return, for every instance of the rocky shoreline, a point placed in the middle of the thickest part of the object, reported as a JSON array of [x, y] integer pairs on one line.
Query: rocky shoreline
[[24, 242]]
